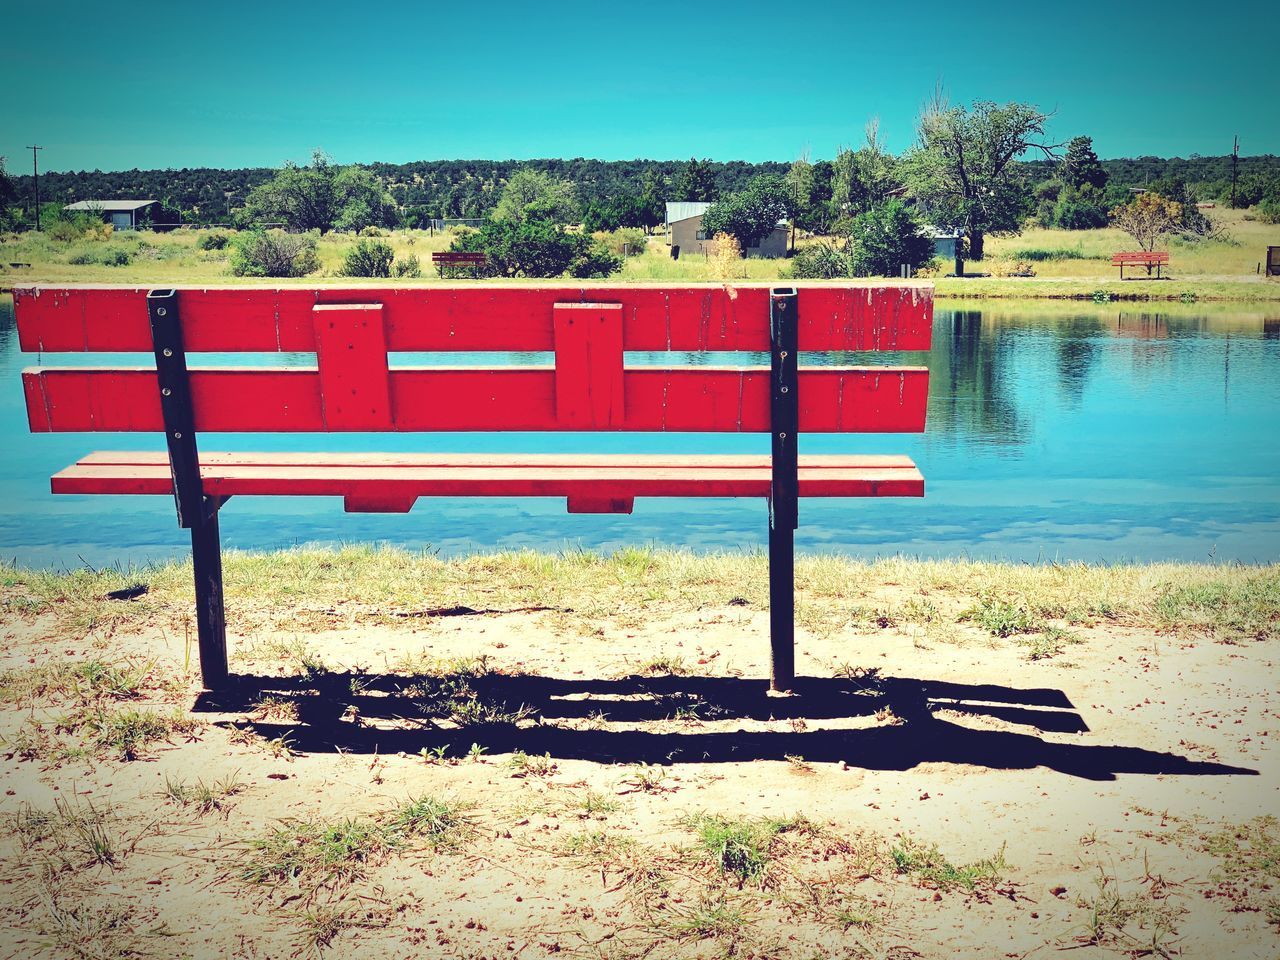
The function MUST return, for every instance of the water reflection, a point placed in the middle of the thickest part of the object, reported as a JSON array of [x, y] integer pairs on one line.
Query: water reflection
[[1055, 430]]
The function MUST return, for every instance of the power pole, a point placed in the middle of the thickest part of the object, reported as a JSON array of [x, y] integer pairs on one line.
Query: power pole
[[35, 171], [1235, 163]]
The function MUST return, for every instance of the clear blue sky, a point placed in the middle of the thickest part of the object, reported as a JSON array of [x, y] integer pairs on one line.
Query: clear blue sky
[[149, 84]]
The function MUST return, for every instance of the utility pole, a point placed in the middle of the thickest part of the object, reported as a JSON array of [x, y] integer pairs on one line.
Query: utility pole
[[35, 171], [1235, 163]]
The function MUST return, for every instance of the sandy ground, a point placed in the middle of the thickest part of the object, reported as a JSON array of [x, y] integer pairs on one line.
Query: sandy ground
[[1103, 775]]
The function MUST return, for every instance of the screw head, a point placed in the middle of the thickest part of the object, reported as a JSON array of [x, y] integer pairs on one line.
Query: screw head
[[165, 391], [161, 312], [168, 352], [177, 434], [784, 389]]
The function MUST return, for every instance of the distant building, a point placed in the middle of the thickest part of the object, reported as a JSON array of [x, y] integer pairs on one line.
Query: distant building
[[944, 241], [121, 214], [684, 230]]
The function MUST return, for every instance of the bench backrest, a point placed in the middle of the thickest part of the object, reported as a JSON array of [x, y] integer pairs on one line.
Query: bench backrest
[[457, 256], [1141, 256], [354, 333]]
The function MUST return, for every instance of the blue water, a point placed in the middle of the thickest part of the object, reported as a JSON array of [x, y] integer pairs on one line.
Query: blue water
[[1063, 432]]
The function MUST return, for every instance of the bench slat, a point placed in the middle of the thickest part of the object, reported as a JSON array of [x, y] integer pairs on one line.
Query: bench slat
[[597, 479], [879, 316], [690, 399]]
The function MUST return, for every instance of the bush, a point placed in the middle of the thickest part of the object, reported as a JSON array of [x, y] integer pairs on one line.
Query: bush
[[537, 248], [1269, 210], [408, 268], [887, 236], [368, 258], [105, 256], [820, 261], [618, 241], [274, 253], [372, 232], [1040, 254], [213, 241]]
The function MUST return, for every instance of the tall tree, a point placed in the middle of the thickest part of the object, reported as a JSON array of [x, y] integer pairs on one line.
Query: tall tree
[[1081, 166], [697, 181], [863, 178], [323, 196], [962, 171], [534, 195]]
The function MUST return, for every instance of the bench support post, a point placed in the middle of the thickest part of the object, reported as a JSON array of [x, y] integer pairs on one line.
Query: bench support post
[[197, 512], [784, 411]]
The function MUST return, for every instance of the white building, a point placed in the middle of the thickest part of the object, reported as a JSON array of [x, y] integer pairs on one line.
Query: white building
[[121, 214], [684, 230]]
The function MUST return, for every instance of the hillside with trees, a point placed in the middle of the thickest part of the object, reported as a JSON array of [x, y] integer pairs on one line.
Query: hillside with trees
[[470, 188]]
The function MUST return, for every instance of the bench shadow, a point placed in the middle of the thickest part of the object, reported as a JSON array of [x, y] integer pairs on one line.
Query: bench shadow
[[388, 713]]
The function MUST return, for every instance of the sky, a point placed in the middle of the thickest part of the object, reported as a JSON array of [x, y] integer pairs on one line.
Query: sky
[[148, 84]]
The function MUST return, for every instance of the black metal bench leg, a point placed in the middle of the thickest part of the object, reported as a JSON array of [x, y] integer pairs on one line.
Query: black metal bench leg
[[211, 621], [784, 417], [782, 608]]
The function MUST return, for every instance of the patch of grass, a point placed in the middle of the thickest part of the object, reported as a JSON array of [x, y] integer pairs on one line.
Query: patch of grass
[[316, 853], [74, 834], [127, 733], [927, 866], [1140, 922], [741, 848], [1244, 606], [999, 617], [523, 764], [663, 665], [92, 930], [597, 847], [83, 680], [276, 708], [205, 798], [646, 778], [439, 822], [1050, 642], [1249, 854]]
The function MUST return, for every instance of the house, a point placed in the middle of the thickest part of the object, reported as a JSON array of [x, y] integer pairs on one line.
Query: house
[[121, 214], [684, 230]]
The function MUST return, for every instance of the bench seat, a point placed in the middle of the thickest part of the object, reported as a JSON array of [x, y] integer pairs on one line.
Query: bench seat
[[390, 483]]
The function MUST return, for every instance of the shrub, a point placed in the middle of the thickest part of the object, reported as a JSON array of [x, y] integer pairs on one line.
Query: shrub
[[1269, 210], [368, 258], [274, 253], [372, 232], [537, 248], [726, 257], [1039, 254], [105, 256], [619, 240], [409, 267], [887, 236], [213, 241], [820, 261]]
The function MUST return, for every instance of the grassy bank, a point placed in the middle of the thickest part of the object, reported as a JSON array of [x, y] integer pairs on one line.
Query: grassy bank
[[582, 592], [1068, 264]]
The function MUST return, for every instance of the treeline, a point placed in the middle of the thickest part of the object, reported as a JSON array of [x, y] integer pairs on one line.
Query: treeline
[[436, 188], [471, 188]]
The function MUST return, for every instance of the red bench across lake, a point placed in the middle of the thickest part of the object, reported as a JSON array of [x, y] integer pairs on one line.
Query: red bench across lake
[[1141, 258], [352, 387]]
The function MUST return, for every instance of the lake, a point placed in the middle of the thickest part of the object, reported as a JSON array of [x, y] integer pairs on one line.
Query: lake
[[1056, 431]]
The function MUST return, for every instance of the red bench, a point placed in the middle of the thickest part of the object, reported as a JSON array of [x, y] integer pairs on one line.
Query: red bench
[[1142, 258], [353, 388], [451, 260]]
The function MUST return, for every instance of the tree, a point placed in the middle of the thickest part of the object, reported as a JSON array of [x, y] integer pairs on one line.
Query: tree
[[534, 195], [751, 215], [1147, 218], [863, 178], [962, 172], [320, 197], [697, 182], [810, 188], [536, 247], [887, 236], [1081, 167], [8, 197]]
